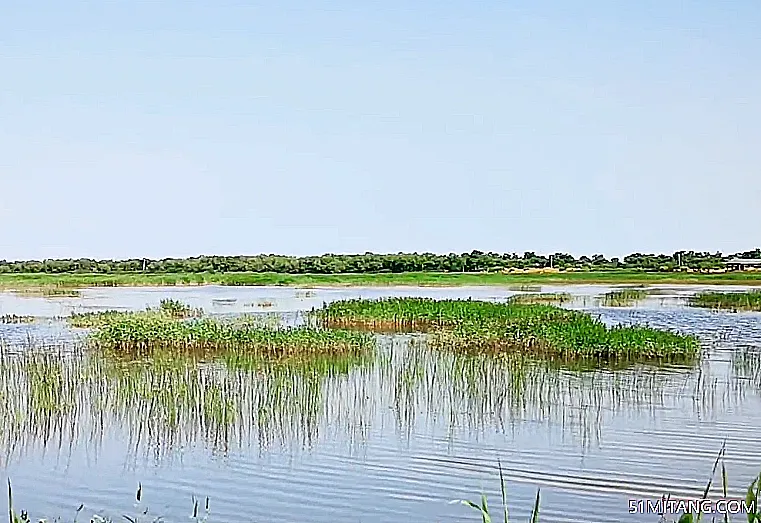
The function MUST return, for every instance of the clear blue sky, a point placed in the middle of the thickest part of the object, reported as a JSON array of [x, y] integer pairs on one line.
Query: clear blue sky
[[175, 128]]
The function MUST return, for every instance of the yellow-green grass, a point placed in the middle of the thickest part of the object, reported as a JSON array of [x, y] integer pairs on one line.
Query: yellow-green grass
[[72, 281], [732, 301], [480, 326]]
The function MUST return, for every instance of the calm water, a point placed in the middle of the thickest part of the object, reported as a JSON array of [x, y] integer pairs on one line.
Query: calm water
[[393, 440]]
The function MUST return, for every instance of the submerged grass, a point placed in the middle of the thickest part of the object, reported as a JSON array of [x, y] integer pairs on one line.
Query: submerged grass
[[731, 301], [542, 330]]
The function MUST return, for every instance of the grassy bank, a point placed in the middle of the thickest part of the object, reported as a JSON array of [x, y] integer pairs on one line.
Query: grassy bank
[[479, 326], [41, 282], [731, 301]]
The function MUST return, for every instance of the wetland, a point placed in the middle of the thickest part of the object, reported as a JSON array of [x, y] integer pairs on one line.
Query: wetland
[[374, 404]]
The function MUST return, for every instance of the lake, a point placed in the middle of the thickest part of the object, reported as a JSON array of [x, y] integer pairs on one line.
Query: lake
[[395, 439]]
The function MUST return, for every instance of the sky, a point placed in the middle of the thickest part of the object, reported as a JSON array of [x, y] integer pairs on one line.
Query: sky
[[178, 128]]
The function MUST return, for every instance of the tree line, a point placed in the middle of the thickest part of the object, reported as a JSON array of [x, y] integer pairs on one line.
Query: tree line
[[475, 261]]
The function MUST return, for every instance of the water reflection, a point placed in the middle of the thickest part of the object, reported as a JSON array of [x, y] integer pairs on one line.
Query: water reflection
[[56, 399]]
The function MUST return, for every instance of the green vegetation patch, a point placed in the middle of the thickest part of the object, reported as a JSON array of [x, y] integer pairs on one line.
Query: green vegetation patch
[[184, 330], [731, 301], [480, 326]]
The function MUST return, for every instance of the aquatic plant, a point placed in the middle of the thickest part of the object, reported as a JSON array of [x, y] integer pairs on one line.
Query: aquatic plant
[[93, 319], [731, 301], [480, 326], [541, 298], [143, 333], [623, 297], [199, 514], [751, 500], [16, 319], [178, 309], [168, 308], [483, 507]]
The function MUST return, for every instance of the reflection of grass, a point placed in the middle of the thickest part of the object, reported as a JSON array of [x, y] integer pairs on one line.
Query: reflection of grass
[[227, 399], [556, 298], [623, 297], [476, 390], [746, 365], [478, 326], [732, 301], [232, 397]]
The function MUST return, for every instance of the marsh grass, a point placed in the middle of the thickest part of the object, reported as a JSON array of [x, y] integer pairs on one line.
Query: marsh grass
[[541, 330], [144, 333], [60, 292], [623, 297], [168, 308], [16, 319], [185, 330], [730, 301], [49, 291], [86, 320], [556, 298]]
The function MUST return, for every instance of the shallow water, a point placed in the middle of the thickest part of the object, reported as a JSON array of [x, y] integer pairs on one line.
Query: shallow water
[[396, 440]]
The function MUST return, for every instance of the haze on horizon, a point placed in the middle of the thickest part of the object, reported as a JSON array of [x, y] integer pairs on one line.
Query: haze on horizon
[[167, 128]]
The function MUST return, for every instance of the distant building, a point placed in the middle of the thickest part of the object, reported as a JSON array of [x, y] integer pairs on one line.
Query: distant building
[[740, 264]]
